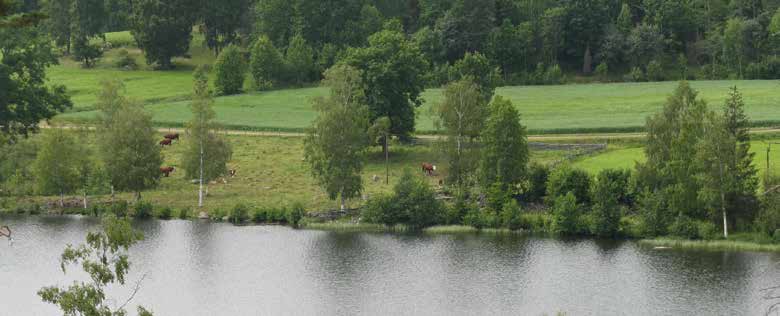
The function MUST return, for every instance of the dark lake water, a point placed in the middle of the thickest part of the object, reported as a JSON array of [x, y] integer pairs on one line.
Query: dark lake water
[[197, 268]]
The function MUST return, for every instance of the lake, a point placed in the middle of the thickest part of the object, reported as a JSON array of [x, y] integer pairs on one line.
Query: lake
[[202, 268]]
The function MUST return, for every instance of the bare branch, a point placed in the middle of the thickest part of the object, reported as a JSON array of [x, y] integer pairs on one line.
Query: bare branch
[[135, 291]]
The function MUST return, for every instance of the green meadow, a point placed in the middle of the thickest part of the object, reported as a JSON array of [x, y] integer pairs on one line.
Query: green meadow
[[574, 108]]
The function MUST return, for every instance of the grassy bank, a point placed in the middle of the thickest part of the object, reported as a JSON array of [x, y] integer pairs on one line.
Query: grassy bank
[[271, 173], [711, 245]]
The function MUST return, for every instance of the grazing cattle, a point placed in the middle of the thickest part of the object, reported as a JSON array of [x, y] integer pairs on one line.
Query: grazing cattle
[[165, 142], [428, 169], [166, 171], [172, 136]]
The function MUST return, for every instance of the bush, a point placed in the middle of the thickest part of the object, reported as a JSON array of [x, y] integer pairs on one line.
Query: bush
[[631, 226], [565, 215], [413, 202], [143, 209], [496, 197], [119, 209], [458, 210], [565, 180], [511, 216], [776, 235], [655, 72], [296, 214], [260, 215], [86, 52], [125, 61], [684, 227], [480, 219], [238, 214], [602, 72], [636, 75], [218, 214], [713, 72], [707, 230], [230, 71], [554, 75], [537, 186], [164, 213], [537, 222], [768, 219], [184, 213], [96, 210]]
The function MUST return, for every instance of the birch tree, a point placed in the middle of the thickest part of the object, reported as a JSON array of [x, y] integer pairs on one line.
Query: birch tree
[[380, 133], [462, 115], [336, 143], [55, 166], [207, 153]]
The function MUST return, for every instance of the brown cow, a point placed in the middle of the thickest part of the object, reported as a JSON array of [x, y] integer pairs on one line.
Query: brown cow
[[172, 136], [428, 169], [165, 142], [166, 171]]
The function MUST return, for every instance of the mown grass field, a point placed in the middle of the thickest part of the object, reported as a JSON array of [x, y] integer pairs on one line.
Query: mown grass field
[[544, 109], [575, 108]]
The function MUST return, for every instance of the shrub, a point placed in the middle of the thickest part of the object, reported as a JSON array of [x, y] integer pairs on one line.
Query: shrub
[[458, 210], [184, 213], [707, 230], [413, 202], [553, 75], [86, 52], [631, 226], [537, 222], [776, 235], [125, 61], [96, 210], [537, 182], [565, 215], [266, 63], [655, 72], [496, 197], [164, 213], [565, 180], [610, 187], [230, 71], [119, 209], [238, 214], [653, 210], [683, 226], [296, 214], [768, 219], [143, 209], [602, 72], [259, 215], [481, 219], [218, 214], [511, 215], [636, 75]]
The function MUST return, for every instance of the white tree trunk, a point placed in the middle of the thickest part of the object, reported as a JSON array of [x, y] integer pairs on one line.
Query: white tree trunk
[[85, 199], [200, 189]]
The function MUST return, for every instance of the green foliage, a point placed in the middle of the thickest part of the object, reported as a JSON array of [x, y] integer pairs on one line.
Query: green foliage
[[125, 60], [104, 258], [207, 153], [565, 214], [128, 147], [85, 52], [266, 63], [684, 227], [143, 210], [537, 182], [56, 165], [164, 212], [299, 60], [768, 219], [162, 29], [462, 114], [477, 68], [184, 213], [230, 71], [636, 75], [119, 209], [413, 203], [504, 146], [655, 71], [511, 215], [392, 69], [608, 191], [566, 180], [238, 214], [337, 141], [554, 75], [654, 213], [222, 20], [26, 98], [295, 214], [602, 72]]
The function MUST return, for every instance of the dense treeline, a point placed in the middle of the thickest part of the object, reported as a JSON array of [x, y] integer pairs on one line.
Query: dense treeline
[[527, 40]]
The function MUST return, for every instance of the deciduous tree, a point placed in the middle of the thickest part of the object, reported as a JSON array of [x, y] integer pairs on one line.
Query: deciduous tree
[[504, 146], [336, 143], [162, 29]]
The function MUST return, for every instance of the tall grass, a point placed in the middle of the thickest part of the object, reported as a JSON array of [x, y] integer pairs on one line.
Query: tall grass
[[713, 245]]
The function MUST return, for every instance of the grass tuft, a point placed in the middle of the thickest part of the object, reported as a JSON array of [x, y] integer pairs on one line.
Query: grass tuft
[[711, 245]]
